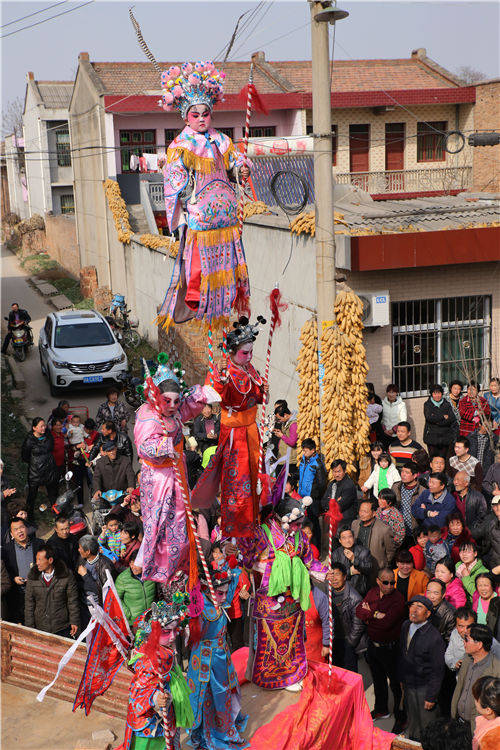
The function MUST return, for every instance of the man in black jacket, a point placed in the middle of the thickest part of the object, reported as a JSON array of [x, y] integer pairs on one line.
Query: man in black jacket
[[488, 537], [343, 489], [443, 616], [470, 502], [19, 557], [112, 472], [63, 544], [17, 316], [51, 602], [348, 628], [108, 432], [92, 568], [206, 428], [421, 666], [360, 565]]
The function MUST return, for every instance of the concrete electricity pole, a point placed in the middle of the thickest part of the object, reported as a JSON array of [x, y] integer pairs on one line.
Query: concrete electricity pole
[[322, 14]]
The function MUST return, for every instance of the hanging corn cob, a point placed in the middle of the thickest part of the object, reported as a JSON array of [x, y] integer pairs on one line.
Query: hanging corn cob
[[308, 425]]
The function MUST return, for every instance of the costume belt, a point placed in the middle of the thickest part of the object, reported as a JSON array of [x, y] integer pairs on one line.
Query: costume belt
[[230, 418], [163, 462]]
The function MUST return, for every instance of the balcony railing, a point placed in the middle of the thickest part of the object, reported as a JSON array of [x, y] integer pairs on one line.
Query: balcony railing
[[409, 180]]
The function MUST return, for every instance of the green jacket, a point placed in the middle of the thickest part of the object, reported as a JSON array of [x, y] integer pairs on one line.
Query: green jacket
[[136, 596], [469, 582]]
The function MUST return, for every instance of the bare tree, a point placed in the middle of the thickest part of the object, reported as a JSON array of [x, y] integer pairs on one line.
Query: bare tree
[[12, 117], [470, 75]]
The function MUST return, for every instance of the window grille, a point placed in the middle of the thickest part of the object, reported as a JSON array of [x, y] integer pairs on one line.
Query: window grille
[[136, 142], [68, 204], [262, 132], [63, 148]]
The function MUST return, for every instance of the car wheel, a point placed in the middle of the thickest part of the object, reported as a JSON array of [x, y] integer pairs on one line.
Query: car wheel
[[131, 339], [54, 390], [42, 368]]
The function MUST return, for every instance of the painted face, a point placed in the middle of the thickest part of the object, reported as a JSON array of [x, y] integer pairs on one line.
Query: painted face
[[168, 634], [170, 403], [199, 118], [244, 354], [221, 594]]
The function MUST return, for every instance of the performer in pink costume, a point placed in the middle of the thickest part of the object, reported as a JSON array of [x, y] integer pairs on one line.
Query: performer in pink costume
[[166, 546]]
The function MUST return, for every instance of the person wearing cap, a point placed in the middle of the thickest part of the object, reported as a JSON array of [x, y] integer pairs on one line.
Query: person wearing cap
[[112, 472], [420, 666]]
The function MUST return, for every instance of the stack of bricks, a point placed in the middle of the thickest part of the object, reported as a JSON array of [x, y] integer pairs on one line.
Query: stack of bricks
[[88, 281], [486, 159], [102, 298], [188, 343]]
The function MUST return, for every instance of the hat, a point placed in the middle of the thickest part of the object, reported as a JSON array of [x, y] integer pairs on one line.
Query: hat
[[289, 510], [191, 84], [165, 613], [243, 332], [109, 445], [422, 600]]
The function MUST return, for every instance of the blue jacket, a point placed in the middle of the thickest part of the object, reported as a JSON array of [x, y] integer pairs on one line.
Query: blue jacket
[[444, 508], [312, 477]]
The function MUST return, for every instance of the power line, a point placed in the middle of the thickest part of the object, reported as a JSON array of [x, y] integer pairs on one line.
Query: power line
[[240, 31], [282, 36], [31, 25], [18, 20], [256, 26]]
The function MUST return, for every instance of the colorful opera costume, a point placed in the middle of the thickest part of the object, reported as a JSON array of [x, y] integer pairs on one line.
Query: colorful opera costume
[[210, 275], [212, 680], [168, 544], [234, 466], [281, 554]]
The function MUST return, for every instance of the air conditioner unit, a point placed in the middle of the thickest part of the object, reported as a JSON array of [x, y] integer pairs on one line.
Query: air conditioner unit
[[376, 310]]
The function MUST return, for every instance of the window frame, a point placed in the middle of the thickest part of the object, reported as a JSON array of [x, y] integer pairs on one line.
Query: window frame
[[63, 149], [439, 327], [253, 131], [426, 130], [130, 144], [64, 208]]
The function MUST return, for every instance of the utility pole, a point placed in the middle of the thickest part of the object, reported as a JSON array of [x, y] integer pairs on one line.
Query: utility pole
[[322, 14]]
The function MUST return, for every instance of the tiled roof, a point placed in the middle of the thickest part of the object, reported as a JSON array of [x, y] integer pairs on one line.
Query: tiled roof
[[55, 94], [124, 78]]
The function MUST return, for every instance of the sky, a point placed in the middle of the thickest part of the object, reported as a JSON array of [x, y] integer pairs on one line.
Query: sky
[[455, 34]]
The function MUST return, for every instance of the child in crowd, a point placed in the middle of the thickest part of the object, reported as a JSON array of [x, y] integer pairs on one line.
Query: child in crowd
[[76, 432], [456, 534], [308, 531], [110, 536], [373, 412], [383, 475], [291, 486], [418, 550], [216, 534], [435, 549]]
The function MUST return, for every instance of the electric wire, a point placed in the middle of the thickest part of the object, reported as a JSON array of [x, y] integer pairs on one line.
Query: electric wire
[[44, 20], [18, 20]]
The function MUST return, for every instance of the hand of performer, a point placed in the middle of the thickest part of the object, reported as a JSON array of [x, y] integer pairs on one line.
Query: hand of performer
[[429, 705], [244, 593], [160, 699], [325, 650], [245, 172], [73, 630]]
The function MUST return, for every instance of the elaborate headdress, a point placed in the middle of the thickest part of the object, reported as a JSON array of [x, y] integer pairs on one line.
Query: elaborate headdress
[[243, 332], [190, 84], [220, 577], [164, 613], [150, 390], [289, 510]]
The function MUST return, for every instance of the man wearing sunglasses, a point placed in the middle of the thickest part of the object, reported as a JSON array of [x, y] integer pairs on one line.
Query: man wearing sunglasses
[[383, 611]]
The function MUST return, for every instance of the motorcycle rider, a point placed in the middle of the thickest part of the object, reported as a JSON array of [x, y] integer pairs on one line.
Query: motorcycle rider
[[16, 317]]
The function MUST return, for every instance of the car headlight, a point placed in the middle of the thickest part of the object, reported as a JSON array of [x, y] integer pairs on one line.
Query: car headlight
[[117, 360], [62, 365]]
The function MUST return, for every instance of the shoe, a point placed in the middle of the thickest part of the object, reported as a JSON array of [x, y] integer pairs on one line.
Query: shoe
[[296, 688], [379, 715], [399, 726]]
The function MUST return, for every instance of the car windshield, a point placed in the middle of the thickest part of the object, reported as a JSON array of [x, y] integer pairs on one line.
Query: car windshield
[[82, 334]]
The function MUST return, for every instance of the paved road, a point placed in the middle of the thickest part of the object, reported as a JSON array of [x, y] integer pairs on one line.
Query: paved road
[[15, 288]]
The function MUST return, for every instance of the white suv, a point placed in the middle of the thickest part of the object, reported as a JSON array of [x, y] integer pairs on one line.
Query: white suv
[[78, 348]]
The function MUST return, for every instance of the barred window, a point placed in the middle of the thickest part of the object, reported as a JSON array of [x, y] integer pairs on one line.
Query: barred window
[[68, 203], [260, 131], [63, 148], [438, 340], [137, 142], [430, 141], [227, 131], [170, 134]]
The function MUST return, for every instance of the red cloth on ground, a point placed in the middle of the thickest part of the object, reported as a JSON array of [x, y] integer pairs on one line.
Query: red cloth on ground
[[240, 660], [331, 714]]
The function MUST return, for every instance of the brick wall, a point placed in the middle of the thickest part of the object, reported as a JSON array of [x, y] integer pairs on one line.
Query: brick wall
[[61, 242], [486, 159], [188, 344], [88, 281]]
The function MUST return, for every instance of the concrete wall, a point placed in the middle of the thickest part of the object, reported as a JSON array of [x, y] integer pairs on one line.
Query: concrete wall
[[58, 174], [486, 159], [61, 243], [36, 145], [18, 195]]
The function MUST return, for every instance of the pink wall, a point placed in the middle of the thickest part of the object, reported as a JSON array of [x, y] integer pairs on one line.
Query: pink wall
[[287, 122]]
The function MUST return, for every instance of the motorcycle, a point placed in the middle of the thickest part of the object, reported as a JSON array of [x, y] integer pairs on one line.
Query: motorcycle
[[21, 340], [102, 507], [67, 505], [123, 327], [130, 383]]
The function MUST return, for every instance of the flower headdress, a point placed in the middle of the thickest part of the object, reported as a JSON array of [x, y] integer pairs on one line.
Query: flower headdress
[[289, 510], [164, 613], [243, 332], [149, 390], [220, 577], [190, 84]]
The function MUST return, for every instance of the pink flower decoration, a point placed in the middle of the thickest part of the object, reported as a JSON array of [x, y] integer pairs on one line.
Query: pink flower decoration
[[187, 68], [194, 79], [168, 98], [222, 74], [209, 67], [198, 66], [177, 91], [175, 70]]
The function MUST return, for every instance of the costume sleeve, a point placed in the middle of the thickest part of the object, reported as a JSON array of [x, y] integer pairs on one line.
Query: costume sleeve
[[151, 440], [141, 697], [252, 547], [317, 569], [176, 179], [196, 399]]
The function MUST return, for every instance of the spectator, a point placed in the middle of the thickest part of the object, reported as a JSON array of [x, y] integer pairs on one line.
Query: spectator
[[468, 567], [409, 581], [91, 433], [110, 537], [373, 534], [485, 601], [383, 475], [64, 545], [489, 536], [493, 398], [421, 666], [236, 613], [456, 533], [18, 508], [436, 548], [465, 618], [402, 447], [51, 602], [129, 536], [356, 559], [421, 459], [286, 432], [92, 567], [472, 408], [436, 464], [5, 586], [407, 491], [307, 529], [206, 428], [463, 461], [348, 629], [75, 432], [440, 423], [418, 550], [343, 489], [135, 594], [482, 444], [434, 505], [455, 592], [446, 734], [36, 451], [18, 316], [393, 412], [443, 615], [376, 449], [478, 662], [61, 411], [193, 461], [292, 485], [19, 556], [389, 514], [491, 483], [453, 396], [112, 472], [108, 433], [312, 483], [374, 414], [486, 692], [59, 447], [383, 610], [368, 462], [113, 410]]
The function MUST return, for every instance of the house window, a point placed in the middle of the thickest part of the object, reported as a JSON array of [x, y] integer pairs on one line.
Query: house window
[[309, 130], [261, 132], [170, 134], [63, 148], [68, 203], [136, 142], [430, 141], [228, 131], [438, 340]]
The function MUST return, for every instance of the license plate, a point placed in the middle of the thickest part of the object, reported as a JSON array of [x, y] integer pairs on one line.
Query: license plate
[[93, 379]]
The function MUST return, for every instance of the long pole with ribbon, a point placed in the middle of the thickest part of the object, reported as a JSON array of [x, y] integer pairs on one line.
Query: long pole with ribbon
[[245, 147], [333, 516]]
